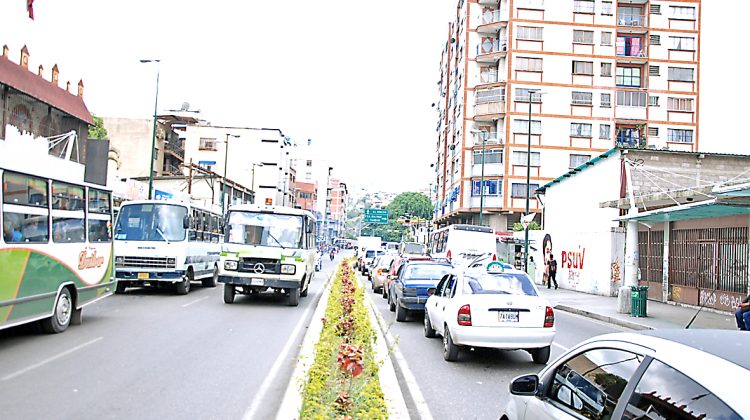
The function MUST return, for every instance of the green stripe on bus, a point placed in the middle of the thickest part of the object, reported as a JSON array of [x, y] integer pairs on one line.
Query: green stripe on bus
[[13, 262]]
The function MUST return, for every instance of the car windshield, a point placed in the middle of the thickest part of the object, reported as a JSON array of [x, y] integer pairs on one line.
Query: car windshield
[[266, 229], [151, 222], [385, 262], [503, 284], [370, 253], [425, 271], [413, 249]]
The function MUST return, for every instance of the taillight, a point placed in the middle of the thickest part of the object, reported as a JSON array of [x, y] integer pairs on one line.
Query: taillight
[[448, 255], [549, 318], [494, 257], [380, 271], [464, 316]]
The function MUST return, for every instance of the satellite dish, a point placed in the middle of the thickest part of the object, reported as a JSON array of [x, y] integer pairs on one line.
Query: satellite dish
[[185, 107]]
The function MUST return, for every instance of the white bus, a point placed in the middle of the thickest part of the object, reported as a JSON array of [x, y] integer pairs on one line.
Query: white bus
[[460, 244], [56, 246], [166, 243], [268, 248]]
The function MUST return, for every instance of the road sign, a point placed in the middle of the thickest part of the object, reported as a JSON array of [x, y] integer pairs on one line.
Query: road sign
[[376, 216]]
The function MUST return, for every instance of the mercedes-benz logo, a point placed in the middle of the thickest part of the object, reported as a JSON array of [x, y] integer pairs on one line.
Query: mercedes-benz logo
[[259, 268]]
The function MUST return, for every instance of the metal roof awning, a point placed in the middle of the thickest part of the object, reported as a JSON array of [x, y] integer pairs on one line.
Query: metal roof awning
[[703, 210]]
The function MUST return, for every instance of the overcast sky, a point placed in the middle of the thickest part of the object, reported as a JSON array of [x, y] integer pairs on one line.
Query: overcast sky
[[358, 78]]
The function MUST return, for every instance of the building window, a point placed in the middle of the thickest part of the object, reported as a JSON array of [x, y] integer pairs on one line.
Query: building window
[[580, 130], [605, 131], [682, 12], [606, 100], [607, 8], [530, 33], [529, 64], [653, 131], [492, 187], [629, 46], [583, 37], [583, 68], [680, 74], [630, 16], [578, 160], [522, 95], [582, 98], [308, 176], [308, 163], [490, 156], [207, 144], [628, 77], [653, 70], [522, 127], [519, 190], [606, 70], [519, 158], [628, 136], [679, 135], [583, 6], [655, 39], [682, 43], [633, 99], [606, 38], [655, 9], [680, 104], [653, 101]]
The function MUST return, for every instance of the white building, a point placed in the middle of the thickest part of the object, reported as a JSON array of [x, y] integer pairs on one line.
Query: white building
[[608, 72]]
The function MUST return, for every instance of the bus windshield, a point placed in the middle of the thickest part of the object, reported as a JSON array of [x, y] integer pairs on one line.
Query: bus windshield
[[266, 229], [151, 222]]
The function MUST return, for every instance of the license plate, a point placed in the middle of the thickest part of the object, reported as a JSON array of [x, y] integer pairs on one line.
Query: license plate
[[507, 316], [143, 276], [256, 282]]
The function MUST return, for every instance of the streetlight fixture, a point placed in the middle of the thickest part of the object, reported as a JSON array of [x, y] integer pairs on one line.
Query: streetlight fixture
[[224, 179], [481, 183], [153, 135], [528, 183]]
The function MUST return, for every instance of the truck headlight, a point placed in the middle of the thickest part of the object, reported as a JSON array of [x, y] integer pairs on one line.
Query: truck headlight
[[230, 265], [119, 260], [288, 269]]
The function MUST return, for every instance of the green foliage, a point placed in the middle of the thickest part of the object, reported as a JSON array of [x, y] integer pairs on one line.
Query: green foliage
[[412, 203], [325, 380], [97, 131], [518, 227]]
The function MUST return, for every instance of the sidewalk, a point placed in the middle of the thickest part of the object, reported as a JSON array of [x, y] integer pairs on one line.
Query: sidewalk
[[660, 315]]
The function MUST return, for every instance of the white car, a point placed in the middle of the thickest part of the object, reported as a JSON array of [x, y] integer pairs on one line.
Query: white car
[[659, 374], [490, 306]]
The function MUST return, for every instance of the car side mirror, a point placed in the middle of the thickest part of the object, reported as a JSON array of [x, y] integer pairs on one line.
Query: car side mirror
[[431, 291], [524, 385], [186, 222]]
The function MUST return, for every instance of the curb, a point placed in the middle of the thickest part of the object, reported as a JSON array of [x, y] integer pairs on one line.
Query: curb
[[604, 318], [291, 403]]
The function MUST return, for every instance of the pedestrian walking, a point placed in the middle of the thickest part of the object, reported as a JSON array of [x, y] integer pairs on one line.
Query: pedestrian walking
[[552, 265]]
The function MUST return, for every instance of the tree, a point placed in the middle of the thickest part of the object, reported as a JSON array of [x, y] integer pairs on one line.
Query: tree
[[97, 131], [413, 204], [518, 226]]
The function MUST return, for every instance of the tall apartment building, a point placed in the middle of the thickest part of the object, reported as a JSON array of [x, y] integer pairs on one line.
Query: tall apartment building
[[606, 73]]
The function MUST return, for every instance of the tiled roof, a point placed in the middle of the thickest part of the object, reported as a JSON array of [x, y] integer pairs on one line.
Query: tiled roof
[[37, 87]]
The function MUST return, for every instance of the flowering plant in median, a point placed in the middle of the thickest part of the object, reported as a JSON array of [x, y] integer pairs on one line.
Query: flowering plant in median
[[343, 380]]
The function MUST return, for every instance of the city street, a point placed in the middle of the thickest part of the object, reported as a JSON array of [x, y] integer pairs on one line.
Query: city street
[[153, 355], [475, 387]]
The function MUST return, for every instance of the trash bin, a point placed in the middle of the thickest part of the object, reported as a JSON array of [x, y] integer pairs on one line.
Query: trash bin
[[638, 299]]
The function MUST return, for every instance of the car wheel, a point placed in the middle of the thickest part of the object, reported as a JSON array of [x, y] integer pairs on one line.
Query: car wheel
[[184, 287], [303, 293], [120, 288], [400, 313], [450, 350], [429, 332], [385, 292], [61, 314], [294, 295], [391, 305], [540, 356], [211, 281], [228, 293]]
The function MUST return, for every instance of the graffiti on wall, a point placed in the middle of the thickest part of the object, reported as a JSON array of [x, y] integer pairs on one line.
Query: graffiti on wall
[[721, 300], [615, 276]]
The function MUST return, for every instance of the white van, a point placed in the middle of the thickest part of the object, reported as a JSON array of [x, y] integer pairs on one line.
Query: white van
[[460, 244]]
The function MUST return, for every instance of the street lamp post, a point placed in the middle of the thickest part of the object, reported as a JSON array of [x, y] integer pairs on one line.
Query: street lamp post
[[153, 135], [224, 180], [528, 187], [484, 135]]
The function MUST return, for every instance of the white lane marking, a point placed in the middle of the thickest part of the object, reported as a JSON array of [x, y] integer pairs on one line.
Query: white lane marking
[[49, 360], [274, 371], [563, 348], [195, 301]]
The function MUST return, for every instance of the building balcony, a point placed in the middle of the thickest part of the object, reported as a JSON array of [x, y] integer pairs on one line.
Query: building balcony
[[491, 50], [630, 23], [630, 142], [175, 149], [492, 76], [488, 2], [529, 4], [172, 170], [493, 138], [491, 20], [490, 111]]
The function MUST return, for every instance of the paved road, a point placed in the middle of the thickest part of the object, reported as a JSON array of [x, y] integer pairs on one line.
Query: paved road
[[475, 387], [154, 355]]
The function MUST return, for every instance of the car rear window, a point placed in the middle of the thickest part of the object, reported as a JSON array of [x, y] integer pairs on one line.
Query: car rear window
[[370, 253], [500, 284], [426, 271]]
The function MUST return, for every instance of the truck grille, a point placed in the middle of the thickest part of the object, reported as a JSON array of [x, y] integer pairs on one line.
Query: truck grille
[[270, 266], [145, 262]]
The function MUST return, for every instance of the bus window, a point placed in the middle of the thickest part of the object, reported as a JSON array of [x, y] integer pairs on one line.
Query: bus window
[[67, 229], [99, 201], [25, 228], [67, 197], [24, 190], [99, 231]]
